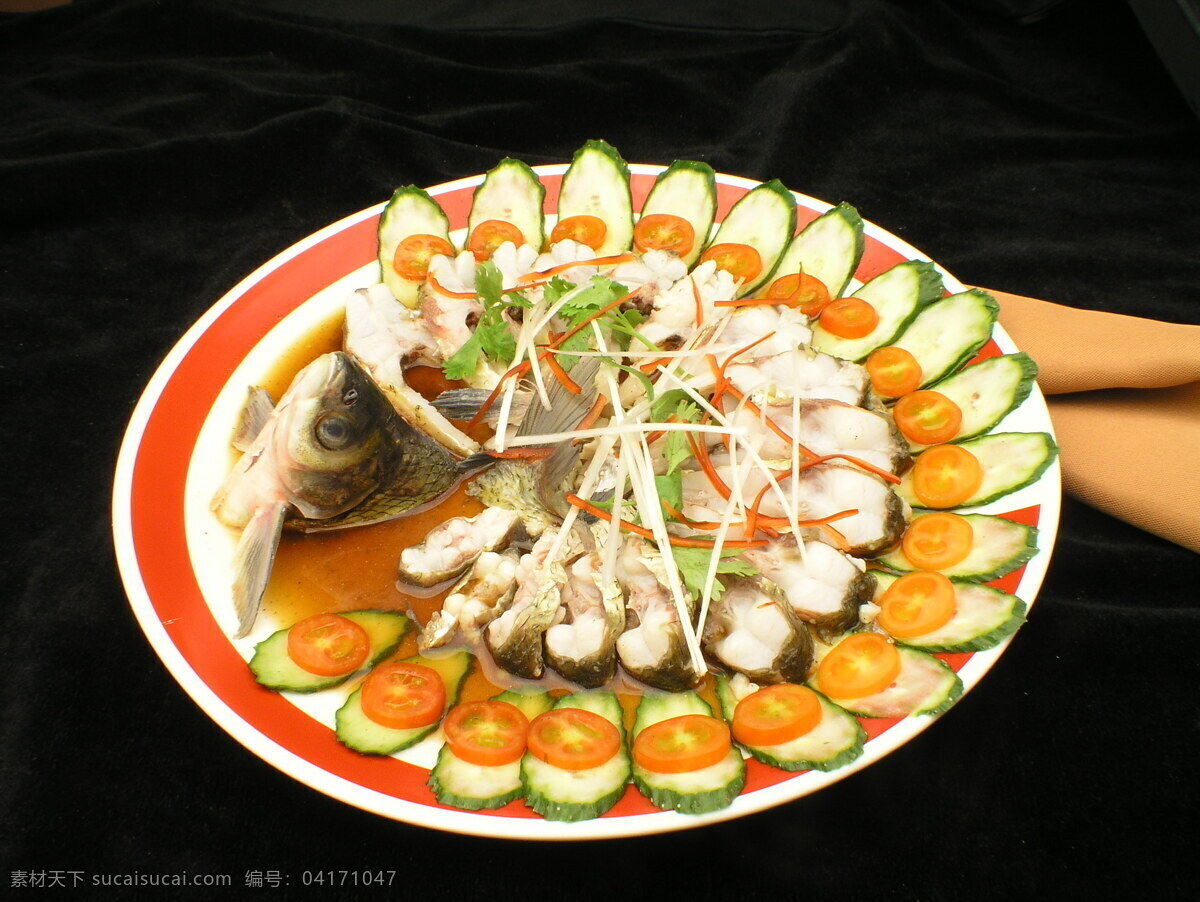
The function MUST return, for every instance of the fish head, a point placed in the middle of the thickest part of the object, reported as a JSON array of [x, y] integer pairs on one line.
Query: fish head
[[335, 437]]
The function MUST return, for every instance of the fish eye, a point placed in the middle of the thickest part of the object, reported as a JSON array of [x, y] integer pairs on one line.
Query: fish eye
[[333, 433]]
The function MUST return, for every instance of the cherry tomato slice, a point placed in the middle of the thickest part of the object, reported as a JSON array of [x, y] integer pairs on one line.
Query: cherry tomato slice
[[739, 260], [489, 235], [585, 229], [403, 696], [937, 541], [411, 260], [860, 665], [776, 714], [328, 645], [849, 318], [927, 417], [664, 232], [808, 293], [573, 739], [682, 744], [917, 603], [893, 371], [946, 476], [488, 733]]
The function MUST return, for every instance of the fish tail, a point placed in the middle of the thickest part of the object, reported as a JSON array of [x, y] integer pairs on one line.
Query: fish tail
[[253, 559]]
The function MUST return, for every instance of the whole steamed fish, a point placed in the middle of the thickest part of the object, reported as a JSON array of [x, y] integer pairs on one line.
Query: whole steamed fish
[[331, 454]]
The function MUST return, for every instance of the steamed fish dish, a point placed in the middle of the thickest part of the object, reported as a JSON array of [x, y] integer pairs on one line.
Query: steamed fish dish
[[331, 453], [713, 468]]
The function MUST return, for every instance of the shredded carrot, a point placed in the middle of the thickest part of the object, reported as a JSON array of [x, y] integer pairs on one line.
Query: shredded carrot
[[527, 452], [655, 436], [885, 475], [654, 364], [563, 267], [838, 539], [706, 464], [519, 370], [677, 541], [594, 414], [748, 302], [752, 514], [769, 525], [699, 303], [567, 382], [437, 286], [557, 343]]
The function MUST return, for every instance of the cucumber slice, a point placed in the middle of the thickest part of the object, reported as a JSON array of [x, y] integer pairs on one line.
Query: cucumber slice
[[1010, 461], [987, 392], [575, 795], [476, 787], [897, 296], [765, 219], [273, 667], [925, 685], [694, 792], [597, 184], [949, 332], [513, 193], [999, 547], [829, 248], [983, 619], [357, 731], [531, 702], [836, 740], [411, 211], [686, 189]]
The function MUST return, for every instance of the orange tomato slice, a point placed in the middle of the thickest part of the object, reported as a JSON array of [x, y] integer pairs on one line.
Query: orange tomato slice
[[946, 476], [849, 318], [489, 235], [927, 417], [937, 541], [917, 603], [328, 645], [801, 290], [776, 714], [739, 260], [488, 733], [585, 229], [664, 232], [411, 260], [403, 696], [682, 744], [573, 739], [893, 371], [860, 665]]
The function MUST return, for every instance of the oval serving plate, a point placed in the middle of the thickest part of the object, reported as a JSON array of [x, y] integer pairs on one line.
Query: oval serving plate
[[175, 558]]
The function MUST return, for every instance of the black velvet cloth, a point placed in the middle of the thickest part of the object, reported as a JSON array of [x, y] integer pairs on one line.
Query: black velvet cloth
[[152, 154]]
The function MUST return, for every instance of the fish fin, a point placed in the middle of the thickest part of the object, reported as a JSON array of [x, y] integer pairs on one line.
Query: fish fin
[[476, 461], [565, 410], [464, 403], [253, 560], [553, 473], [254, 416]]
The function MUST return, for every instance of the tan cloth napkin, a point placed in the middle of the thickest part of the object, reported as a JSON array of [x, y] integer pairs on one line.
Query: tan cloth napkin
[[1125, 406]]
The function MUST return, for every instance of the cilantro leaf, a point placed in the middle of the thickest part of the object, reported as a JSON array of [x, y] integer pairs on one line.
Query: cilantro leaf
[[693, 564], [463, 362]]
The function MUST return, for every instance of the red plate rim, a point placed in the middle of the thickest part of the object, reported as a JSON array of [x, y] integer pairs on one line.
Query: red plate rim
[[165, 595]]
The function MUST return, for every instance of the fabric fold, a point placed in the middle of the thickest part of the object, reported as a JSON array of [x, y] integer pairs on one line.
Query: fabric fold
[[1125, 404]]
